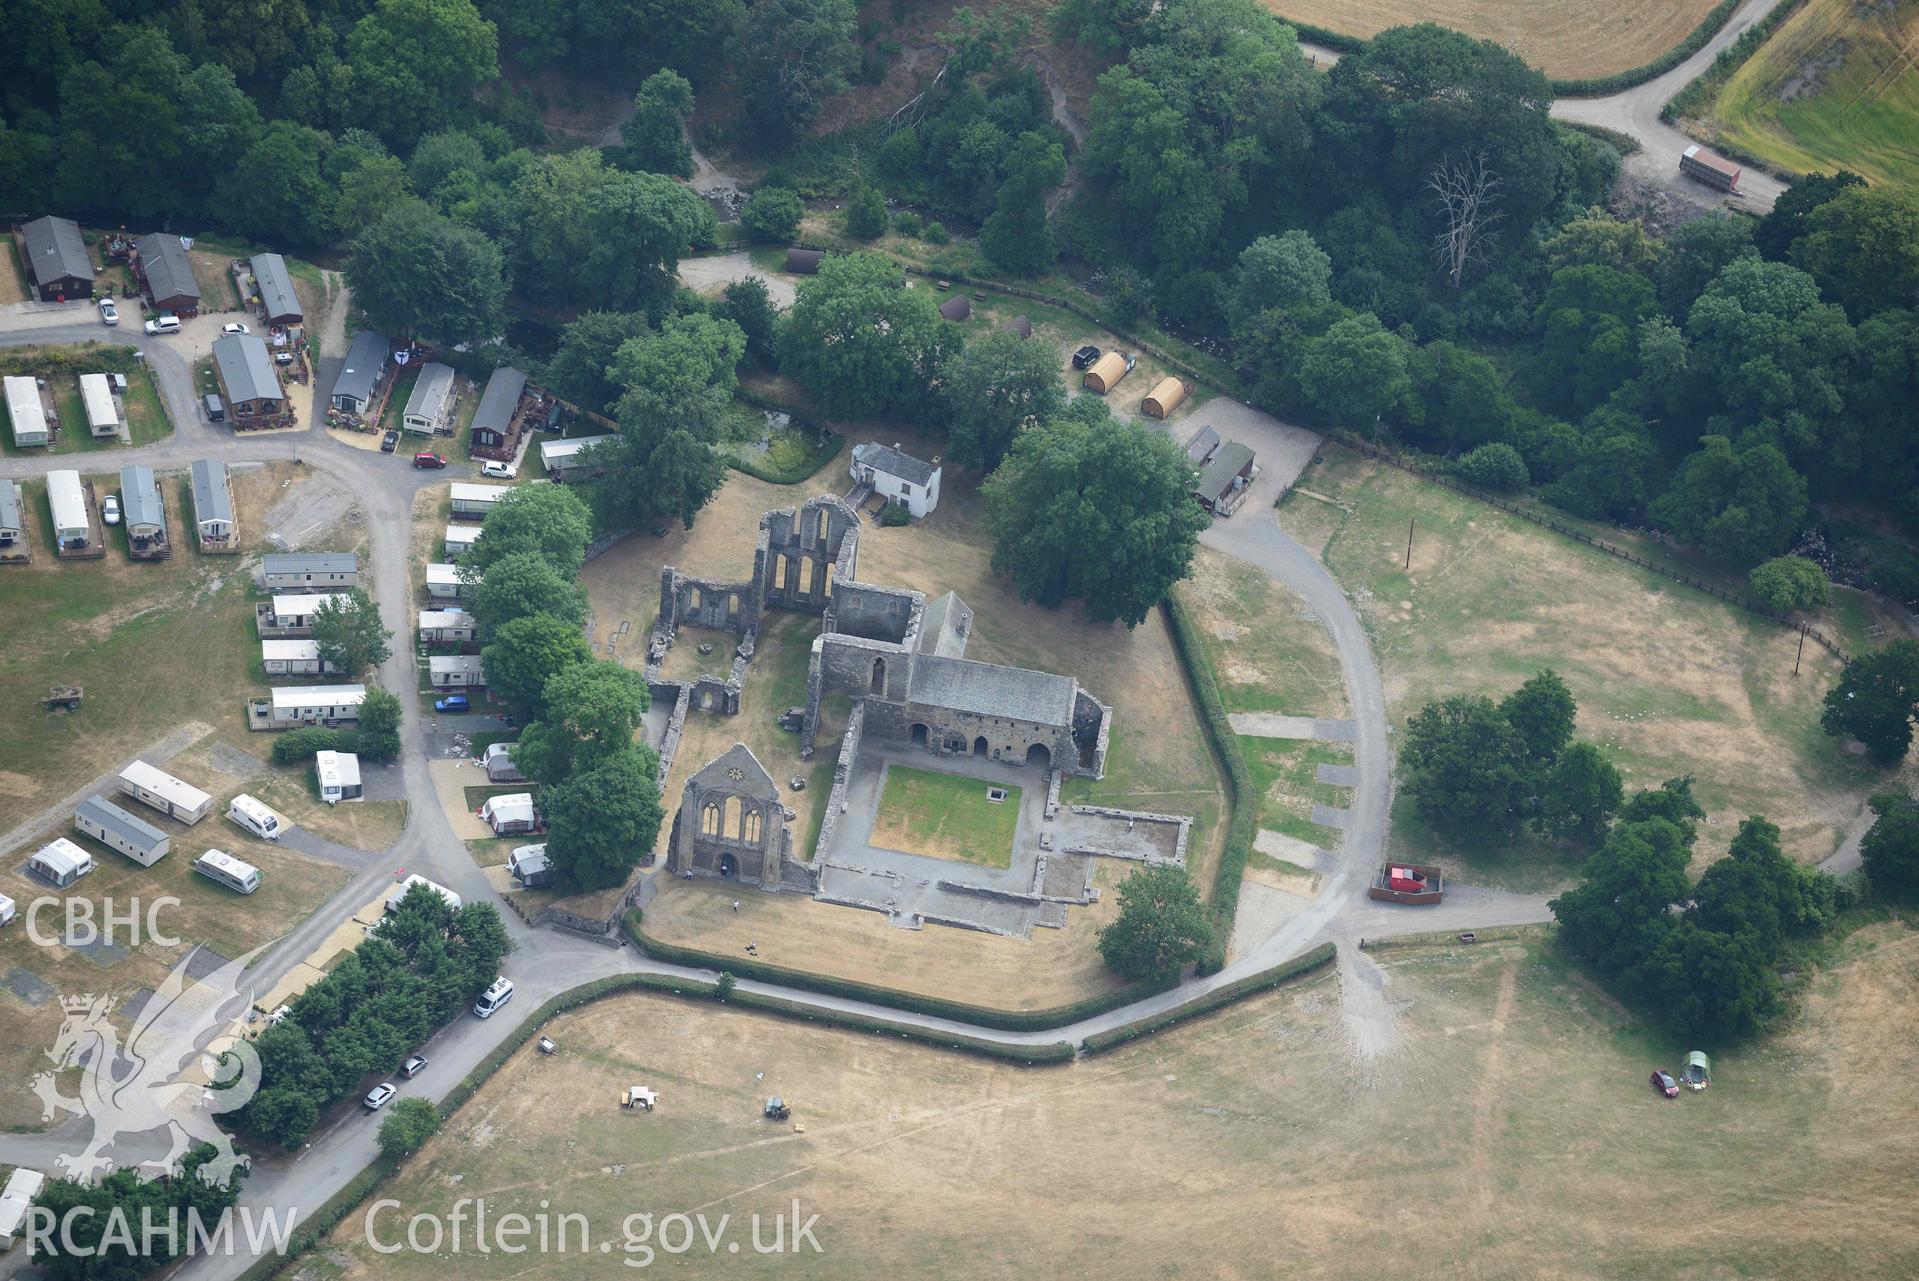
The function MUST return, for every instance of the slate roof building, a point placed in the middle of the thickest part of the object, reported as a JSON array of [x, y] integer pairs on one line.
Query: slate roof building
[[247, 377], [495, 425], [366, 361], [278, 301], [55, 256], [167, 273], [897, 476]]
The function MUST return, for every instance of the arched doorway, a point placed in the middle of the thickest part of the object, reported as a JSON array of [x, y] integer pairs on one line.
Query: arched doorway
[[1038, 755], [979, 745], [729, 866], [879, 676], [917, 736]]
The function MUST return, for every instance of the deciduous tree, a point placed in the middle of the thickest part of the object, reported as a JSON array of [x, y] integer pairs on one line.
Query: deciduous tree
[[418, 274], [1465, 768], [407, 1127], [601, 820], [1890, 849], [1161, 927], [773, 213], [1874, 700], [1790, 582], [792, 56], [522, 584], [654, 136], [861, 345], [523, 654], [349, 633], [548, 520], [1582, 793], [997, 386], [416, 63]]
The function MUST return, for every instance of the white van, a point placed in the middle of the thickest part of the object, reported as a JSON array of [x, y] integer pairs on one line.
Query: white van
[[494, 997], [222, 868], [254, 817]]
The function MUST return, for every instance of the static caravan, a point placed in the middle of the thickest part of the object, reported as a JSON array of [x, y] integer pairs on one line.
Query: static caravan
[[293, 612], [460, 539], [103, 411], [16, 1202], [247, 377], [295, 570], [564, 460], [496, 421], [141, 510], [290, 707], [13, 528], [55, 255], [366, 362], [212, 503], [254, 816], [278, 302], [339, 775], [443, 581], [116, 829], [456, 671], [474, 501], [446, 626], [511, 814], [429, 409], [67, 499], [7, 909], [399, 893], [294, 658], [529, 866], [28, 415], [161, 790], [162, 265], [60, 863], [498, 760], [222, 868]]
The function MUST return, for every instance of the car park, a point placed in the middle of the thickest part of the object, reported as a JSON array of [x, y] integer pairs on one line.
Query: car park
[[497, 470], [234, 327], [413, 1066], [380, 1095], [110, 509], [1662, 1081], [164, 325], [1085, 356], [452, 703], [109, 314], [390, 442], [426, 458]]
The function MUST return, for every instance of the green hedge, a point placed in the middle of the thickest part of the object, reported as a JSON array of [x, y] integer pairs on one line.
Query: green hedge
[[1305, 963], [1699, 94], [957, 1011], [1037, 1055], [1239, 781]]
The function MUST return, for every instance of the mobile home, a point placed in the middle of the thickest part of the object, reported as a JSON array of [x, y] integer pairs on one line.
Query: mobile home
[[443, 581], [212, 503], [359, 380], [56, 258], [103, 411], [399, 892], [290, 707], [13, 528], [498, 762], [60, 863], [459, 540], [278, 302], [247, 378], [456, 671], [222, 868], [565, 460], [474, 501], [294, 658], [293, 612], [511, 814], [141, 510], [67, 499], [496, 422], [295, 570], [116, 829], [161, 790], [446, 626], [339, 776], [28, 415], [429, 408]]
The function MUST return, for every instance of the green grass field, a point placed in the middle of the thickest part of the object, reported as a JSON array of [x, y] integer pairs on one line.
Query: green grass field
[[946, 816], [1835, 87]]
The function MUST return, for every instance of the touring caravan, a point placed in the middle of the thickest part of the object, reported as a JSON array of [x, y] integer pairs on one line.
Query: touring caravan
[[222, 868]]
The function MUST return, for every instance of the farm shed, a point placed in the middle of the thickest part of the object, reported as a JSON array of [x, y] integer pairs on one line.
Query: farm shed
[[167, 274], [289, 706], [510, 814], [294, 657], [398, 894], [67, 499], [562, 458], [60, 862], [529, 866], [1105, 373], [294, 611], [12, 525], [456, 671], [804, 262], [958, 307], [154, 787], [1222, 482], [459, 540], [366, 361], [497, 759], [475, 501], [1203, 445], [443, 581], [140, 506], [26, 413], [495, 422], [212, 502], [310, 569], [445, 626], [427, 409], [103, 411], [1019, 325], [247, 377], [897, 476], [116, 829], [278, 301], [339, 776], [1164, 398], [55, 256]]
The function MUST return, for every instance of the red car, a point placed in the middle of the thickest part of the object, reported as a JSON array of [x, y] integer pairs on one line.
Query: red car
[[1662, 1081], [427, 458]]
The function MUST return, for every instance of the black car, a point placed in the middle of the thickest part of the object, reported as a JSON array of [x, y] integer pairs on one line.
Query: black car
[[390, 442], [1085, 356]]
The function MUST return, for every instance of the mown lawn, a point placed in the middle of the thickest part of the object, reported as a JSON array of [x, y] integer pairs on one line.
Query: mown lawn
[[947, 816]]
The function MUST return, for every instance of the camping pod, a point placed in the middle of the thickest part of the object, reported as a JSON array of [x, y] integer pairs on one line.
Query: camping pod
[[1105, 373], [1164, 398]]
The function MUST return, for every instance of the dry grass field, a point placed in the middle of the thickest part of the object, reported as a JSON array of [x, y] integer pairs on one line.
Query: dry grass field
[[1563, 38], [1669, 681], [1511, 1134]]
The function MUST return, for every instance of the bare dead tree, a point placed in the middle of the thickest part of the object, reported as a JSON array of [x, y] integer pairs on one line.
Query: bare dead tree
[[1464, 191]]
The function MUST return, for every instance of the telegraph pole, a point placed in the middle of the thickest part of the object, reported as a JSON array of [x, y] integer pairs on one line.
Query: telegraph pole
[[1802, 649], [1409, 543]]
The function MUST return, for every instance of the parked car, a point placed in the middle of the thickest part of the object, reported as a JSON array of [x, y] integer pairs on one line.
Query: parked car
[[452, 703], [1131, 360], [427, 458], [496, 470], [1085, 356], [164, 325], [413, 1066], [380, 1095], [109, 314], [110, 509], [390, 442], [1662, 1081], [234, 327]]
